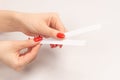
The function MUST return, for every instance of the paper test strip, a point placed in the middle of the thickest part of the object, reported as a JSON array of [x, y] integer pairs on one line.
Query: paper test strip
[[71, 34], [68, 35]]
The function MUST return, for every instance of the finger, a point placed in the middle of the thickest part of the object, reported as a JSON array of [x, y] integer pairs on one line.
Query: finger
[[30, 56], [55, 22], [52, 32], [46, 36], [59, 26], [26, 44]]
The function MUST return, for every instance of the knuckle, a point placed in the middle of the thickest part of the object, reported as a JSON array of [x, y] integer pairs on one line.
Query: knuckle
[[51, 32]]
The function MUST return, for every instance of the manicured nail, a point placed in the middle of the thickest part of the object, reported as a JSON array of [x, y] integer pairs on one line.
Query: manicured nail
[[60, 35], [60, 46], [41, 38], [56, 45], [37, 39], [52, 45]]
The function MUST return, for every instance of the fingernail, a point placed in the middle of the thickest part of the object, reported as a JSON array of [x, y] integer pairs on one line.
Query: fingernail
[[60, 46], [56, 45], [60, 35], [51, 45], [37, 39]]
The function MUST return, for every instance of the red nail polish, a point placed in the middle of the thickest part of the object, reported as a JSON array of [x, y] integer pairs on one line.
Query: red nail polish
[[56, 45], [60, 46], [51, 45], [60, 35], [41, 38], [38, 38]]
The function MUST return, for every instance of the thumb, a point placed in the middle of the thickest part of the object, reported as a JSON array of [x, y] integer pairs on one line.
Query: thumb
[[30, 55]]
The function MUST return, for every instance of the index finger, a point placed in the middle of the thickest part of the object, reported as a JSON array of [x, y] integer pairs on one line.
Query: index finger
[[56, 23]]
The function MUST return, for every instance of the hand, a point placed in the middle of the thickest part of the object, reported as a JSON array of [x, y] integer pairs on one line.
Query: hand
[[10, 53], [44, 24]]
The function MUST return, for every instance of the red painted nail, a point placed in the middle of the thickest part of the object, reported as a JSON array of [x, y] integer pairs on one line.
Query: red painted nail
[[55, 45], [60, 35], [51, 45], [60, 46], [38, 38]]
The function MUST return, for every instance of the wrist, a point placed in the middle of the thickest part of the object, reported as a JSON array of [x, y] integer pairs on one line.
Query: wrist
[[10, 21], [7, 21], [18, 21]]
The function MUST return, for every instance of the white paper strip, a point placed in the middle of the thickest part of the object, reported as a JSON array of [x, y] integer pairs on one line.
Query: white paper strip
[[64, 42], [71, 34], [82, 30]]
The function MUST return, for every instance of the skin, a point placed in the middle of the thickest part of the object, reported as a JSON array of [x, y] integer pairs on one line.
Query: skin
[[32, 24]]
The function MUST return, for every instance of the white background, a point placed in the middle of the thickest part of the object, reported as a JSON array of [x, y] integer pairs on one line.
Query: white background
[[98, 60]]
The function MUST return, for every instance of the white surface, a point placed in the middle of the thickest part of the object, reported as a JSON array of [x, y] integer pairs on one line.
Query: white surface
[[99, 60]]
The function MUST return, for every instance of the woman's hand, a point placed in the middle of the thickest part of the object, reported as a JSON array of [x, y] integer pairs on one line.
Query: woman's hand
[[10, 53], [44, 24]]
